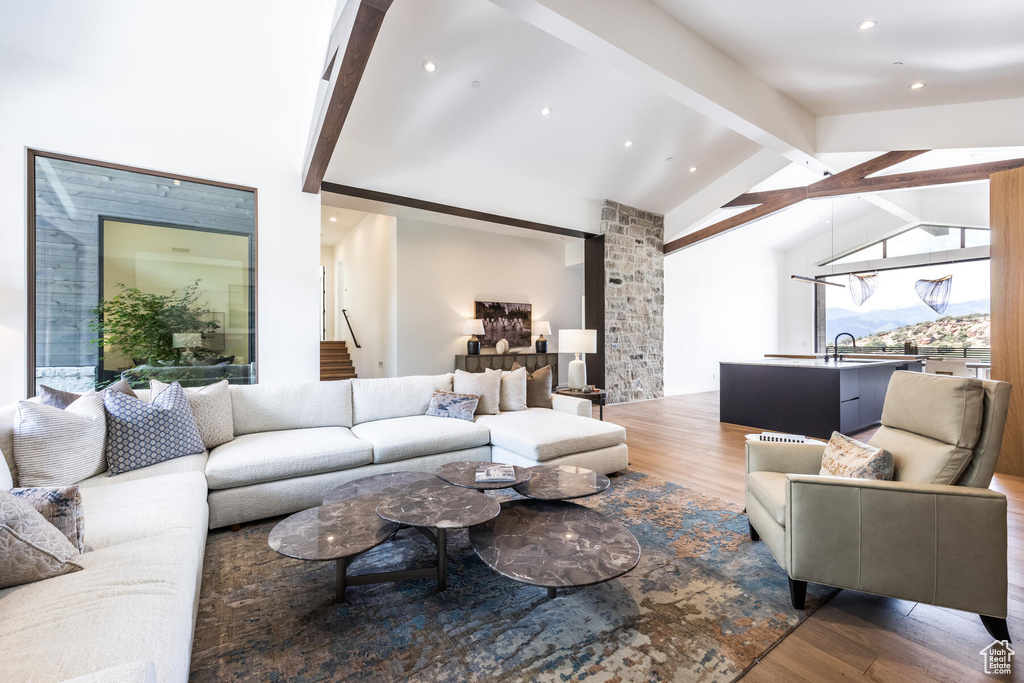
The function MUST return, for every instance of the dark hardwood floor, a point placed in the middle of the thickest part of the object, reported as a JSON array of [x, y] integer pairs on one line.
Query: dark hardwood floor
[[855, 636]]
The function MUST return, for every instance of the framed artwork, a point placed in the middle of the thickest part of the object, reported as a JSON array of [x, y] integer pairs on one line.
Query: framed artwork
[[513, 322]]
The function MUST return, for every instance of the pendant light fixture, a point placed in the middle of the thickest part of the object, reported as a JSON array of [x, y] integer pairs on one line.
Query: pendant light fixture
[[832, 222]]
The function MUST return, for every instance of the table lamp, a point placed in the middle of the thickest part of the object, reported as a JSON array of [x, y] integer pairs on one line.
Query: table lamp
[[542, 327], [577, 341], [473, 327]]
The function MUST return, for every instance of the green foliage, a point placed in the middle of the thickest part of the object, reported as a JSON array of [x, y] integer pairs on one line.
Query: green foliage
[[141, 326]]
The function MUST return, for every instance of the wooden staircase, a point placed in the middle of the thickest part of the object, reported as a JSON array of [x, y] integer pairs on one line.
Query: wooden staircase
[[335, 361]]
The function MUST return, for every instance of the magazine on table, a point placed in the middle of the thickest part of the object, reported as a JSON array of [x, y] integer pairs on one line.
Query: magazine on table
[[495, 473], [776, 437]]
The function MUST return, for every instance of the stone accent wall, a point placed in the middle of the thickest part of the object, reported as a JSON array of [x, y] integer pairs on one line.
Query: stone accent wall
[[634, 290]]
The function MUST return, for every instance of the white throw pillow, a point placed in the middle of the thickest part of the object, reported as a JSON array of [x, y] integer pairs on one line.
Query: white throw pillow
[[513, 390], [486, 385], [846, 457], [6, 478], [54, 447], [211, 406]]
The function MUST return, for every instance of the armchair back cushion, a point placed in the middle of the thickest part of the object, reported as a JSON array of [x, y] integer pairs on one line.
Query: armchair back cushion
[[986, 452], [930, 424]]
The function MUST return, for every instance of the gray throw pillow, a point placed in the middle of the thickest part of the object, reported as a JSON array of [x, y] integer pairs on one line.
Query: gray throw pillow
[[58, 398], [538, 387], [140, 434], [54, 447], [31, 549], [211, 406], [61, 506], [450, 404]]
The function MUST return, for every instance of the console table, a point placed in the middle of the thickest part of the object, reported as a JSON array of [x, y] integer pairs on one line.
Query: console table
[[531, 361]]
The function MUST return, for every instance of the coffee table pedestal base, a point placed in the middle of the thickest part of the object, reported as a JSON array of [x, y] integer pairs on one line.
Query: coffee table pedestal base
[[440, 539]]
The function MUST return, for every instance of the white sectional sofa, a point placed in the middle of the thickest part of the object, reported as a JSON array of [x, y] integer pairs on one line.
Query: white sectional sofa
[[130, 614]]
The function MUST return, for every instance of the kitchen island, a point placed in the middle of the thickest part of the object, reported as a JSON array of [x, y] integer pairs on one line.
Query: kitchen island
[[808, 396]]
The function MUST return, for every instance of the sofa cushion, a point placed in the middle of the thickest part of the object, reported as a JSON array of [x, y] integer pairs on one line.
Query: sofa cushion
[[7, 416], [455, 406], [409, 437], [947, 409], [140, 433], [538, 387], [846, 457], [189, 463], [486, 385], [141, 671], [211, 407], [541, 434], [294, 405], [6, 477], [133, 601], [58, 398], [143, 508], [269, 456], [769, 488], [31, 549], [55, 447], [513, 390], [387, 397], [920, 459]]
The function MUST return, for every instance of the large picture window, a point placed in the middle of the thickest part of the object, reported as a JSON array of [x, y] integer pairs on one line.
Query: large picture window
[[138, 275]]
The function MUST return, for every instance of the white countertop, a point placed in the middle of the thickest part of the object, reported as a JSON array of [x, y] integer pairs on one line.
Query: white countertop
[[817, 363]]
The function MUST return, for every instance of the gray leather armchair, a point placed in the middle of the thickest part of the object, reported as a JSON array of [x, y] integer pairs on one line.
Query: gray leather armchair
[[935, 534]]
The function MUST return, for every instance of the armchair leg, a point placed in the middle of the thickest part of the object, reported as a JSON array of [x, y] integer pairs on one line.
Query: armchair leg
[[754, 536], [996, 627], [798, 594]]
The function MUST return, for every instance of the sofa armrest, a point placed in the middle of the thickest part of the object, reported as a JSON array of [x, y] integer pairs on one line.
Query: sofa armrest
[[787, 458], [941, 545], [572, 405]]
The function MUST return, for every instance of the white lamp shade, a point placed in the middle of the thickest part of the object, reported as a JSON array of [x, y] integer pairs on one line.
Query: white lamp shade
[[542, 327], [186, 340], [471, 326], [577, 341]]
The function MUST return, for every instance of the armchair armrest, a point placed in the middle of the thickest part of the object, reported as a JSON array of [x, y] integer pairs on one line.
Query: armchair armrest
[[796, 458], [941, 545], [572, 405]]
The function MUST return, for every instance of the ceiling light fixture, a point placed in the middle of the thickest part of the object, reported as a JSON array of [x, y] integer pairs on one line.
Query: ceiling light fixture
[[333, 219], [693, 169], [867, 24], [475, 84], [917, 86], [669, 159], [545, 111], [429, 66], [627, 143], [177, 182], [897, 63]]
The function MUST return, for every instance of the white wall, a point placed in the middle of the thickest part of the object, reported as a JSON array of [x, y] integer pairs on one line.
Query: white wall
[[200, 97], [327, 261], [443, 270], [368, 255], [722, 302]]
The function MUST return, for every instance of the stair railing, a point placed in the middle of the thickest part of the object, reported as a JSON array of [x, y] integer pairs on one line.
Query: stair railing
[[349, 323]]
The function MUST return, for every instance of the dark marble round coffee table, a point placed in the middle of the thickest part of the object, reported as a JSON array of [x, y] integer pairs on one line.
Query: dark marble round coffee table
[[562, 482], [463, 473], [374, 484], [555, 544], [440, 506]]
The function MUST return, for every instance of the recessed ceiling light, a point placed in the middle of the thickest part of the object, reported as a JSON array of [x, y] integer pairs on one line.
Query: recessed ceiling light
[[333, 219], [627, 143], [177, 182], [897, 63], [669, 159], [867, 24], [693, 169], [917, 86], [545, 111], [475, 84], [429, 66]]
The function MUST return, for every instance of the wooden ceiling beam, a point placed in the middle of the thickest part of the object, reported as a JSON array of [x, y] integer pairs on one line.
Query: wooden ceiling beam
[[851, 181], [348, 52]]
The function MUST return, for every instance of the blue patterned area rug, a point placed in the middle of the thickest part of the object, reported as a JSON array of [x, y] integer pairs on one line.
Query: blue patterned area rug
[[703, 605]]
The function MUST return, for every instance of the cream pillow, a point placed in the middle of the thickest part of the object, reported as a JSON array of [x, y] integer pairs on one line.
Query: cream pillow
[[211, 406], [486, 385], [846, 457], [54, 447], [512, 395], [31, 549]]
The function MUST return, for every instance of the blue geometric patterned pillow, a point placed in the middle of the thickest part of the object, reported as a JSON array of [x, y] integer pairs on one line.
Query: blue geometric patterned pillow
[[450, 404], [141, 434]]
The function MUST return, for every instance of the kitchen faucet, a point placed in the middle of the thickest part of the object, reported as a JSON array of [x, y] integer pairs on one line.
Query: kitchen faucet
[[836, 343]]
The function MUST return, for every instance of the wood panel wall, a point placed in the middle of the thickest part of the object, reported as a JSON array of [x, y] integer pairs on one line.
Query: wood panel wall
[[70, 197], [1007, 221]]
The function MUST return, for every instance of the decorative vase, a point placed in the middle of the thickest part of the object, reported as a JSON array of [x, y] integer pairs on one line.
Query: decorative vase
[[473, 346], [502, 346], [541, 346]]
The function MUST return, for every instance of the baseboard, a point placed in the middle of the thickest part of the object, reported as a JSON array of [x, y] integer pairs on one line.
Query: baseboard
[[698, 390]]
